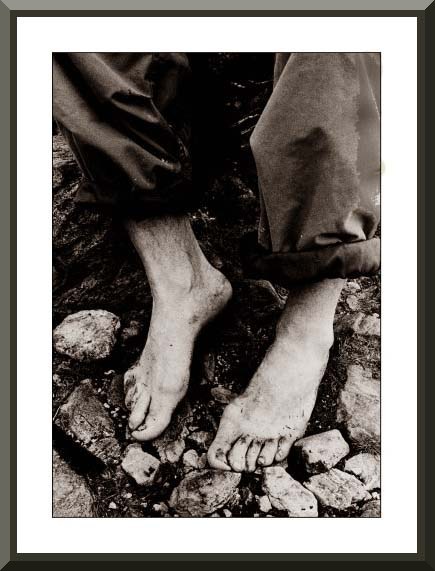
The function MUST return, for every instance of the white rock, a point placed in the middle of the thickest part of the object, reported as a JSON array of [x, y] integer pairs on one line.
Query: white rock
[[287, 494], [71, 494], [140, 465], [113, 506], [192, 460], [202, 493], [322, 451], [202, 438], [87, 335], [367, 468], [359, 408], [264, 504], [336, 489]]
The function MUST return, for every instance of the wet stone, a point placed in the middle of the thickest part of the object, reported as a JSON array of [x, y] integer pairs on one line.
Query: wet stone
[[202, 493], [84, 418], [87, 335]]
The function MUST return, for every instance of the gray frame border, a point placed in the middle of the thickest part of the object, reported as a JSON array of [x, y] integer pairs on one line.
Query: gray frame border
[[425, 13]]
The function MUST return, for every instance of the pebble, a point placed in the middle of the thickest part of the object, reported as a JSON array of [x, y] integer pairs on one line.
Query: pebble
[[113, 506], [160, 508], [227, 513], [336, 489], [192, 460], [202, 438], [352, 302], [367, 468], [359, 408], [322, 451], [140, 465], [84, 418], [87, 335], [286, 494], [172, 451], [222, 395], [202, 493], [371, 509], [133, 330], [264, 503], [71, 494], [359, 323]]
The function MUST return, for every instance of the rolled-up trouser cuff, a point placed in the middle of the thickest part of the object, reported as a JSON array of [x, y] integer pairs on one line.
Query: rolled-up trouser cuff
[[345, 260]]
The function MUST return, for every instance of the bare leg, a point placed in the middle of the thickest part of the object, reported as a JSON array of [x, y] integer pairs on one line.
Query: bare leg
[[260, 426], [187, 293]]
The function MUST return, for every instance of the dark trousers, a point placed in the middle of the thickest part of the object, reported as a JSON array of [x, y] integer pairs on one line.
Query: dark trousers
[[316, 148]]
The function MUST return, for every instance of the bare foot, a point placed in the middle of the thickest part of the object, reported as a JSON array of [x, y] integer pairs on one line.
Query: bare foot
[[158, 382], [260, 426]]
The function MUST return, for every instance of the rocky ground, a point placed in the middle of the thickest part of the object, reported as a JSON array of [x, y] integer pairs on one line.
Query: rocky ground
[[101, 311]]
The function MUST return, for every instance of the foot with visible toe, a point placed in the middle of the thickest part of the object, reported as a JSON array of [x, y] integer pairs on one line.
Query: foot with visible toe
[[259, 427], [159, 381]]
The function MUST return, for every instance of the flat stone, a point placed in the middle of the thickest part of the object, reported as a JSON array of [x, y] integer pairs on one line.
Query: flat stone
[[222, 394], [320, 452], [84, 418], [336, 489], [264, 504], [115, 394], [140, 465], [367, 468], [202, 438], [71, 494], [286, 494], [87, 335], [371, 509], [359, 408], [359, 323], [202, 493], [172, 451]]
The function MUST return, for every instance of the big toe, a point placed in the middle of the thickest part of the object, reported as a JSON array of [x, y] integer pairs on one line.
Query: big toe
[[157, 419]]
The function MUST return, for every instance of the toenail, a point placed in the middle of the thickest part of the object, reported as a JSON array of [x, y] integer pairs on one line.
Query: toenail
[[261, 460]]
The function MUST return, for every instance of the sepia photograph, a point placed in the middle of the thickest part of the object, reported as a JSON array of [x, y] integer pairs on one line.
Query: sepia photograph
[[216, 285]]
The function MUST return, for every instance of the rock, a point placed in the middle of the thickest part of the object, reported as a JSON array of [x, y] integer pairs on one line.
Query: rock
[[286, 494], [113, 506], [208, 368], [371, 509], [222, 394], [264, 504], [172, 451], [359, 408], [322, 451], [202, 493], [352, 302], [336, 489], [367, 468], [71, 494], [160, 508], [131, 331], [192, 461], [359, 323], [352, 286], [84, 418], [87, 335], [140, 465], [202, 438]]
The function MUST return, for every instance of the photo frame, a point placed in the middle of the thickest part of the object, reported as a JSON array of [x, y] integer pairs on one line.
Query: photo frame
[[425, 16]]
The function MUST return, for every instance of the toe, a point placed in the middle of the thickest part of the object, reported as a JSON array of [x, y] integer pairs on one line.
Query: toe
[[284, 446], [139, 409], [268, 452], [252, 455], [237, 454], [156, 421], [220, 447]]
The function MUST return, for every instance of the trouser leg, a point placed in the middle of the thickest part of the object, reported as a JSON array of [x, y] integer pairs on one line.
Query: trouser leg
[[120, 113], [317, 151]]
